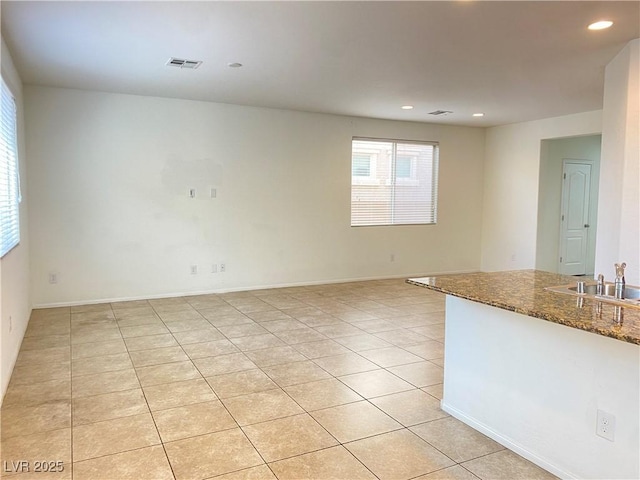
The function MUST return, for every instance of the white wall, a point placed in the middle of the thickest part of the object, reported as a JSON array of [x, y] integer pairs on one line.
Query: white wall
[[109, 176], [619, 208], [15, 306], [553, 152], [542, 402], [511, 183]]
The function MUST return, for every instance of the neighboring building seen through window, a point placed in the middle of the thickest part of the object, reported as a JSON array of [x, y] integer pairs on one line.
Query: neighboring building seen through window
[[393, 182], [9, 176]]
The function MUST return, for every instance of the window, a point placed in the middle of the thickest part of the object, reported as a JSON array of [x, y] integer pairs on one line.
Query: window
[[401, 186], [9, 181]]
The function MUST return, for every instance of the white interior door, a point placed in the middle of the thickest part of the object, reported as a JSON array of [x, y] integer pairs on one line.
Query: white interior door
[[574, 227]]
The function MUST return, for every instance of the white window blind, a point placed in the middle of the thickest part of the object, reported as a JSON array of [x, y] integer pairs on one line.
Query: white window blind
[[401, 183], [9, 180]]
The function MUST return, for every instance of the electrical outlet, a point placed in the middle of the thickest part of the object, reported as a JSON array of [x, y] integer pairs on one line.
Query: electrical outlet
[[192, 192], [214, 194], [223, 268], [392, 257], [606, 425], [214, 268], [53, 278], [194, 269]]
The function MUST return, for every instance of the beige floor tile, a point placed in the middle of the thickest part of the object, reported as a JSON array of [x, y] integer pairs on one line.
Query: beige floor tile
[[435, 390], [151, 341], [167, 373], [105, 363], [322, 394], [138, 320], [98, 349], [375, 383], [46, 327], [184, 315], [109, 405], [171, 395], [420, 374], [335, 463], [210, 455], [261, 472], [218, 318], [438, 361], [262, 406], [411, 407], [97, 384], [22, 420], [243, 330], [354, 421], [41, 372], [345, 364], [148, 463], [256, 342], [318, 320], [288, 437], [44, 355], [451, 473], [269, 316], [339, 330], [366, 341], [221, 364], [47, 446], [240, 383], [268, 357], [143, 330], [113, 436], [209, 349], [189, 337], [32, 394], [300, 335], [133, 308], [427, 350], [47, 341], [94, 335], [410, 456], [187, 325], [456, 440], [294, 373], [402, 337], [192, 420], [323, 348], [434, 332], [390, 356], [506, 465], [376, 325], [158, 356], [284, 324]]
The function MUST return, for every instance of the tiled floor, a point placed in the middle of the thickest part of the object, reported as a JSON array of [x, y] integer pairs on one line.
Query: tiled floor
[[323, 382]]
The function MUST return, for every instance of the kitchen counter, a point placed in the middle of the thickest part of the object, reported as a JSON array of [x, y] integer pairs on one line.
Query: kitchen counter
[[522, 365], [523, 291]]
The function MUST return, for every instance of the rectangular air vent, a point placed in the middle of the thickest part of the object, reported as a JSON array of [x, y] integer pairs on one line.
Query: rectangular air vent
[[440, 112], [179, 62]]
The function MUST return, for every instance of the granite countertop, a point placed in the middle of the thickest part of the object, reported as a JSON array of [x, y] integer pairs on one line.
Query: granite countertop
[[523, 291]]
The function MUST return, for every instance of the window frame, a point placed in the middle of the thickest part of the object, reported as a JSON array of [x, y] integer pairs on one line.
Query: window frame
[[10, 197], [398, 182]]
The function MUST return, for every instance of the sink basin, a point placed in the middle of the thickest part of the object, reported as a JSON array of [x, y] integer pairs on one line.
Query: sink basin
[[631, 295]]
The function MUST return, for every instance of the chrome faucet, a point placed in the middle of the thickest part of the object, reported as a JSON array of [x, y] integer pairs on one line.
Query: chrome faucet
[[600, 285], [619, 281]]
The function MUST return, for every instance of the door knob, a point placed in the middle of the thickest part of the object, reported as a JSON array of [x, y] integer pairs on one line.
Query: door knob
[[586, 225]]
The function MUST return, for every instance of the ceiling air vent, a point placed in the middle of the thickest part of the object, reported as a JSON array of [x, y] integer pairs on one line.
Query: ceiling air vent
[[181, 63], [440, 112]]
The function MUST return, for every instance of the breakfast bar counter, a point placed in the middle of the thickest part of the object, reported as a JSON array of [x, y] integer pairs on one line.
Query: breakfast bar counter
[[537, 370], [523, 291]]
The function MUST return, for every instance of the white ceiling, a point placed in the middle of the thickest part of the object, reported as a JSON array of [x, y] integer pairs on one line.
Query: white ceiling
[[514, 61]]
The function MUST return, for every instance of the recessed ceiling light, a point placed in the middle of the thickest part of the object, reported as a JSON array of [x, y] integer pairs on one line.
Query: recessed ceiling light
[[601, 25], [407, 107], [234, 65], [478, 114]]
